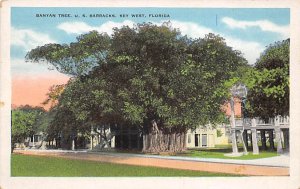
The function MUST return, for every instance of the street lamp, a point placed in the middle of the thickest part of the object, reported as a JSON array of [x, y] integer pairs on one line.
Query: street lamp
[[238, 90]]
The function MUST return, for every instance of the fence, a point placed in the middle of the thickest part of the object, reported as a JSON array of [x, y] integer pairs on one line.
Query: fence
[[247, 123]]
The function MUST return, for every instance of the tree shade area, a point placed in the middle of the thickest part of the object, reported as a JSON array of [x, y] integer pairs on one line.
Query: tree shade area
[[157, 82]]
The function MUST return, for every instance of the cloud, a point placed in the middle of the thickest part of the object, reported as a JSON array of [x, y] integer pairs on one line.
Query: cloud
[[250, 49], [264, 25], [29, 39], [191, 29], [82, 27], [21, 68], [75, 27]]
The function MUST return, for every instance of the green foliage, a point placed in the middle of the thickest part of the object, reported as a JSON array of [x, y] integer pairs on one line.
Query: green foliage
[[53, 94], [77, 58], [219, 133], [143, 74], [63, 126], [26, 121], [268, 82]]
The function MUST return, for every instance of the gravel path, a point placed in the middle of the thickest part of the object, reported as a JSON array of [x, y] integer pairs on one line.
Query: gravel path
[[275, 166]]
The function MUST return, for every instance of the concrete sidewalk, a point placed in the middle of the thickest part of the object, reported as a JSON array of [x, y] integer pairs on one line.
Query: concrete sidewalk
[[278, 161], [257, 168]]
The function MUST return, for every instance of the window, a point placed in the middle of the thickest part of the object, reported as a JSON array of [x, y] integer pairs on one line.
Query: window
[[36, 138], [196, 140], [204, 140]]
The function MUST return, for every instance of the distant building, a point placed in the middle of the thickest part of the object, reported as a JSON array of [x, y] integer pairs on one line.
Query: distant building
[[34, 141], [207, 137]]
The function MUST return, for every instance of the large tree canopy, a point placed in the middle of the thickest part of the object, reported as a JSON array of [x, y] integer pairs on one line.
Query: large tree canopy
[[150, 76], [268, 82], [77, 58]]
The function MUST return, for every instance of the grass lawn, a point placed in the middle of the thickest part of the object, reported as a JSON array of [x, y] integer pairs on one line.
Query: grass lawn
[[219, 153], [36, 166]]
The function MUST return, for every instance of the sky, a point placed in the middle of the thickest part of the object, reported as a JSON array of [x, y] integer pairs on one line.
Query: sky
[[247, 30]]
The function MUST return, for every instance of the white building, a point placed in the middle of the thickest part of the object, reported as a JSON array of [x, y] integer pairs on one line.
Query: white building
[[207, 137]]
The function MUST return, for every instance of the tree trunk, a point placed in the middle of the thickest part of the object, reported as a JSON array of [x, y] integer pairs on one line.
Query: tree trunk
[[245, 136], [251, 143], [271, 139], [263, 140], [286, 140], [129, 139], [145, 147], [161, 140]]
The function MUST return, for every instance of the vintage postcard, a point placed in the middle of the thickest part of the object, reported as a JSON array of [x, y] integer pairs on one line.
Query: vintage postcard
[[135, 94]]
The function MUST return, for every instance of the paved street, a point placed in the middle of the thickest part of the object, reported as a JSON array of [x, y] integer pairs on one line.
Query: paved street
[[274, 166]]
